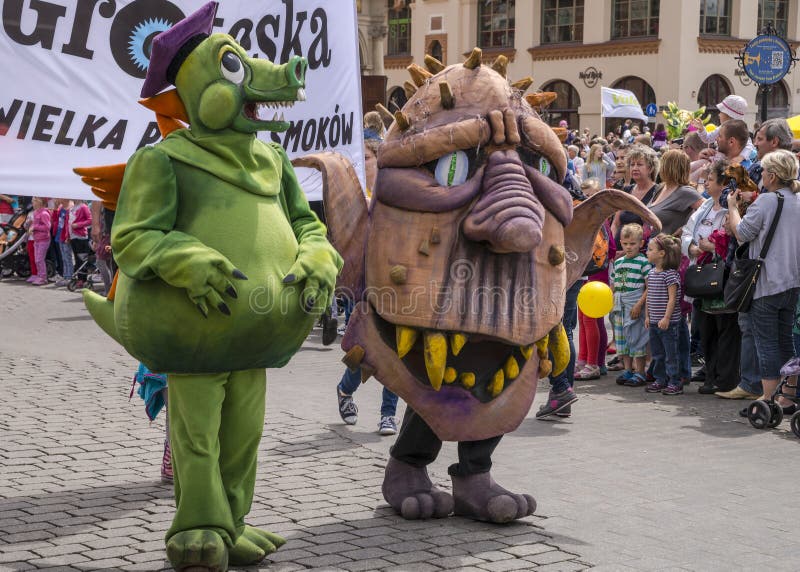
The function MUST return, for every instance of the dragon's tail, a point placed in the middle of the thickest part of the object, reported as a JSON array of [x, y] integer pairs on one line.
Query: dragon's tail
[[102, 310]]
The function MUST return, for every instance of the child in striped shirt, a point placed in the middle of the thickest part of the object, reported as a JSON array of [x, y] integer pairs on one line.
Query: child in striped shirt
[[664, 316], [630, 335]]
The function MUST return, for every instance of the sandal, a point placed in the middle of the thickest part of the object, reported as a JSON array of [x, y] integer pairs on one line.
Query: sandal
[[588, 372]]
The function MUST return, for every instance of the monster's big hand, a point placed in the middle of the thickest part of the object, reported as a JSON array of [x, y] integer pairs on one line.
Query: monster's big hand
[[315, 271]]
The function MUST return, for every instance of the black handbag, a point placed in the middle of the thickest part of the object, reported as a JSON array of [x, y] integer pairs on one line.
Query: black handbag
[[705, 280], [741, 284]]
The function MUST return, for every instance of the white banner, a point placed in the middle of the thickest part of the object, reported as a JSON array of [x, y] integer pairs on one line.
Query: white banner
[[73, 70], [621, 103]]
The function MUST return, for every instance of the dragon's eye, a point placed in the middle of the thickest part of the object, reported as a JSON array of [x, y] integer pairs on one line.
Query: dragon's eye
[[232, 68], [452, 169]]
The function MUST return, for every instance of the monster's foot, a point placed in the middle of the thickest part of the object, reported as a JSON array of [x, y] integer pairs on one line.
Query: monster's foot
[[253, 545], [410, 492], [479, 497], [197, 551]]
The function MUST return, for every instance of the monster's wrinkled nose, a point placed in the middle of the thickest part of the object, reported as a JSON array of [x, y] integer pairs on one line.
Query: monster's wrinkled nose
[[507, 217]]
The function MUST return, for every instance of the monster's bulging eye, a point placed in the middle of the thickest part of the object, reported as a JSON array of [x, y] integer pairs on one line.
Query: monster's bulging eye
[[544, 166], [232, 68], [452, 169]]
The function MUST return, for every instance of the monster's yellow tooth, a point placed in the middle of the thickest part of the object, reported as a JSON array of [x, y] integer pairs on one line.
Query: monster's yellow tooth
[[527, 351], [511, 368], [541, 347], [435, 357], [450, 375], [497, 383], [559, 347], [457, 342], [405, 340], [467, 379]]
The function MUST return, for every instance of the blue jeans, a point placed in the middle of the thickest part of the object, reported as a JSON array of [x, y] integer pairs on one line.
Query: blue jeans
[[750, 374], [67, 261], [773, 317], [567, 379], [351, 380], [684, 351], [664, 350]]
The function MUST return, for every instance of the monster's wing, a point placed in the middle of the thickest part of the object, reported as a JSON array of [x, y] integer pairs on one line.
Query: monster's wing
[[346, 216], [587, 218]]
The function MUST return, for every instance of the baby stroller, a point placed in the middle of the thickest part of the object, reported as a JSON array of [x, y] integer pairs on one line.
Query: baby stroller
[[87, 266], [768, 413]]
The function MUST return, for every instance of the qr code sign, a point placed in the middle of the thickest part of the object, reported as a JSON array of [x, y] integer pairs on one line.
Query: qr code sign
[[777, 60]]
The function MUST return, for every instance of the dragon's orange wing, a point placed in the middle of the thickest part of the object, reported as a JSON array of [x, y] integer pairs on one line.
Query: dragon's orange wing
[[106, 181]]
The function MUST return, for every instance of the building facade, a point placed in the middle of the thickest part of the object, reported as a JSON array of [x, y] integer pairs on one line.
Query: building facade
[[662, 50]]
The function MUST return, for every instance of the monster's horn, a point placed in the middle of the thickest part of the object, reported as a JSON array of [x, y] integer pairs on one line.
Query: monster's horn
[[448, 101], [409, 89], [385, 113], [523, 84], [474, 59], [542, 99], [402, 120], [434, 66], [500, 65], [419, 75]]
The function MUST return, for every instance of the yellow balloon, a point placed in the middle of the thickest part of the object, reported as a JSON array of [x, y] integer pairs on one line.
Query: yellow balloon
[[595, 299], [710, 127]]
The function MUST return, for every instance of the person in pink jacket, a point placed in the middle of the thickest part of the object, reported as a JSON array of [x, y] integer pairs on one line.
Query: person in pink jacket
[[40, 229], [80, 219]]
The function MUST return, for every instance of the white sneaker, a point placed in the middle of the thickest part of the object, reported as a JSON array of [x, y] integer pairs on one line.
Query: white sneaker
[[387, 426]]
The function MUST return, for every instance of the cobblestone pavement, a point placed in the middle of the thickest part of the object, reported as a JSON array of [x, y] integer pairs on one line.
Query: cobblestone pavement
[[630, 482]]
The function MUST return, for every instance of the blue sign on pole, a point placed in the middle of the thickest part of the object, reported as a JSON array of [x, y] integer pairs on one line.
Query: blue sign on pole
[[651, 110], [767, 59]]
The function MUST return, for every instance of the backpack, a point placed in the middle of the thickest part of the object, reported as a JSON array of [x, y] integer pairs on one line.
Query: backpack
[[599, 260]]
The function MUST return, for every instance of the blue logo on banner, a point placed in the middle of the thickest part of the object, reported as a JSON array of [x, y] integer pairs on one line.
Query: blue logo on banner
[[767, 59], [651, 110]]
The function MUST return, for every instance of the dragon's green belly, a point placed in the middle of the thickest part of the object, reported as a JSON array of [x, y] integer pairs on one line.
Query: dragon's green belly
[[159, 325]]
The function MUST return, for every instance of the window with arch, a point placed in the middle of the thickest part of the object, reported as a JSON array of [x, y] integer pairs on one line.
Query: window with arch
[[775, 11], [496, 23], [562, 21], [777, 101], [435, 50], [713, 90], [565, 106], [635, 18], [715, 17], [399, 28], [641, 89]]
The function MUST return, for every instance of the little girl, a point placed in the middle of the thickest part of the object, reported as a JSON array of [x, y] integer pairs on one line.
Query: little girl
[[592, 334], [40, 229], [664, 318]]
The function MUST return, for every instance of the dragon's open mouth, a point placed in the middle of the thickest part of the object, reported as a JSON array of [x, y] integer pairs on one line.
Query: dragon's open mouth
[[483, 366], [259, 110]]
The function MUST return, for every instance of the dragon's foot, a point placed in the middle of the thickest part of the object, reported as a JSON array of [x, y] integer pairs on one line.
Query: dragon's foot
[[253, 545], [197, 551], [410, 492], [479, 497]]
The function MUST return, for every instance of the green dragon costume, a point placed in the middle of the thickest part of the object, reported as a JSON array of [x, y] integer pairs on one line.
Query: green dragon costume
[[223, 271]]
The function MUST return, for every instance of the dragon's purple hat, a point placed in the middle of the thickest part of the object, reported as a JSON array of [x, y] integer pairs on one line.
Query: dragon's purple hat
[[171, 48]]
